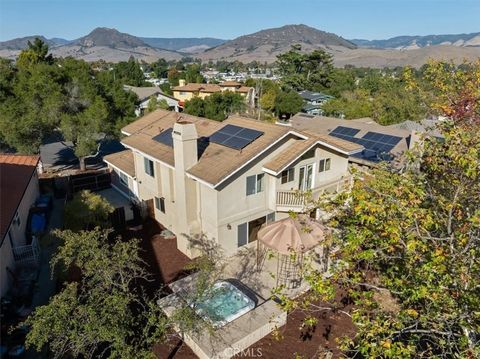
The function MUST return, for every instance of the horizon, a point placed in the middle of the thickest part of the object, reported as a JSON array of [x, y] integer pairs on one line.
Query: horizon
[[23, 18]]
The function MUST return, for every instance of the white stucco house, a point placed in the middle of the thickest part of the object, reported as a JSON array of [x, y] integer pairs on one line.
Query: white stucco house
[[224, 180]]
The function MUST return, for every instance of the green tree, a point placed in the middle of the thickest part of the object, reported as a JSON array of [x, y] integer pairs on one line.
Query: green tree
[[305, 71], [350, 105], [154, 104], [195, 107], [408, 242], [106, 314], [87, 210], [287, 103], [129, 73], [36, 52], [267, 100]]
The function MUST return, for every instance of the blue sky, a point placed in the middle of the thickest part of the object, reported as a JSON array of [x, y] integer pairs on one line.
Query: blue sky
[[369, 19]]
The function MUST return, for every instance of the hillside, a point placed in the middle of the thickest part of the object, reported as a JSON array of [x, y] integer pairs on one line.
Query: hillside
[[21, 42], [189, 45], [265, 45], [102, 43], [414, 42]]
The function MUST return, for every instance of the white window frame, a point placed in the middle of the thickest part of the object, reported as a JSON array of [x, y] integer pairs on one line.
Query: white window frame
[[150, 169], [325, 165], [259, 184], [123, 178]]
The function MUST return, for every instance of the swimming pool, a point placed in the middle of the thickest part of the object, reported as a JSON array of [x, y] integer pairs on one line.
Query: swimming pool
[[224, 303]]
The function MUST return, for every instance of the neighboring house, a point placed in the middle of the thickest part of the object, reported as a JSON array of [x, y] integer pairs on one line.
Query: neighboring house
[[18, 191], [314, 101], [145, 94], [381, 143], [185, 92], [224, 180]]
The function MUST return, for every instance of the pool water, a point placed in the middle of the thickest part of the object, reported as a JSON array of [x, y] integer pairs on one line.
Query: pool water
[[224, 304]]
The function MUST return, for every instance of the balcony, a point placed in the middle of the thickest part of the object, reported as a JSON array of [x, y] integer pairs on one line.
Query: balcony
[[297, 201]]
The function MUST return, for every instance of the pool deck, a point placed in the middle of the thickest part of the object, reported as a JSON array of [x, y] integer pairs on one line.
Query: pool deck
[[259, 278]]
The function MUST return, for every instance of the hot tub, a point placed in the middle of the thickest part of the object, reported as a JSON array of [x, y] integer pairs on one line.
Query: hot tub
[[223, 304]]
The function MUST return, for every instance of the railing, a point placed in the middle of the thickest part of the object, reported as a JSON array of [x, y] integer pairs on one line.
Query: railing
[[296, 200], [28, 253]]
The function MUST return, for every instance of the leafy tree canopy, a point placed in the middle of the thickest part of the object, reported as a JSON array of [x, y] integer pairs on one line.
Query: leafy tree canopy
[[218, 106]]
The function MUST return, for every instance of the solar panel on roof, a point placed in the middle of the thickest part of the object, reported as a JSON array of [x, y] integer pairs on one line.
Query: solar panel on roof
[[235, 136], [165, 137], [345, 131]]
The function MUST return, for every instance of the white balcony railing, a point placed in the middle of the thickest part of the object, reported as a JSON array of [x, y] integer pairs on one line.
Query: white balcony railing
[[297, 200], [29, 253]]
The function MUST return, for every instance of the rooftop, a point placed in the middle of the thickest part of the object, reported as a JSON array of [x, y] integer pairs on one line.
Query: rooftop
[[211, 88], [216, 162], [144, 93], [15, 174], [362, 126], [123, 161], [314, 96]]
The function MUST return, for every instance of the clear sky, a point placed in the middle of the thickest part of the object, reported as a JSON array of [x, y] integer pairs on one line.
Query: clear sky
[[368, 19]]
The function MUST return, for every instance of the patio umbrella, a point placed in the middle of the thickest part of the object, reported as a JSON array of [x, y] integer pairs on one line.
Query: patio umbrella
[[287, 235], [291, 238]]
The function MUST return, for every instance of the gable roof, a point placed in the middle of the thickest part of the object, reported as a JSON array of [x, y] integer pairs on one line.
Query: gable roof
[[145, 93], [15, 174], [123, 161], [211, 88], [216, 162]]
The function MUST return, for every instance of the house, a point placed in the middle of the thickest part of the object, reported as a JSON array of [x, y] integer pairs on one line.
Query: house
[[185, 92], [145, 94], [314, 101], [224, 180], [381, 143], [18, 191]]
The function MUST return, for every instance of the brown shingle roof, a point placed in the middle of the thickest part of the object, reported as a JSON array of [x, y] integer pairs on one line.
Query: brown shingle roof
[[15, 174], [123, 161], [230, 84], [216, 162]]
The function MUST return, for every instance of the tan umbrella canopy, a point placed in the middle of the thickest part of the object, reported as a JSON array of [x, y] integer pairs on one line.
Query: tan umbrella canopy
[[287, 235]]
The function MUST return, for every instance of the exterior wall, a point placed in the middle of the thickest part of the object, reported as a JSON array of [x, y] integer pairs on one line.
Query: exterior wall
[[186, 96], [17, 233], [338, 168], [129, 189], [217, 213]]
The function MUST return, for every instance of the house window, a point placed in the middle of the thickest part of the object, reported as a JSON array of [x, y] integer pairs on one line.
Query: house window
[[149, 169], [288, 175], [182, 93], [255, 184], [324, 165], [160, 204], [248, 232], [123, 178]]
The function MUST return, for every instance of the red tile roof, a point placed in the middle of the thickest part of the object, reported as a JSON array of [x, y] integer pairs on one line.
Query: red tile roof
[[15, 174]]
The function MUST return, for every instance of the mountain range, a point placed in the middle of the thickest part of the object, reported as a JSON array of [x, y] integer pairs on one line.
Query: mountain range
[[263, 46], [416, 42]]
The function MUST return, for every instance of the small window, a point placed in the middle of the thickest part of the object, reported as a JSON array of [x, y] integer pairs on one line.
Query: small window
[[149, 168], [260, 180], [255, 184], [288, 175], [324, 165], [123, 178], [160, 204]]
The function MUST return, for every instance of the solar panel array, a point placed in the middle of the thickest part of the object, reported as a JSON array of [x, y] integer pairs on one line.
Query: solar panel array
[[235, 137], [376, 144], [165, 137]]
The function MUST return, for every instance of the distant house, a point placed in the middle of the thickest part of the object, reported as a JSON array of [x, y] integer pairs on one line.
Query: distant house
[[314, 101], [185, 92], [145, 94], [380, 143], [18, 191]]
